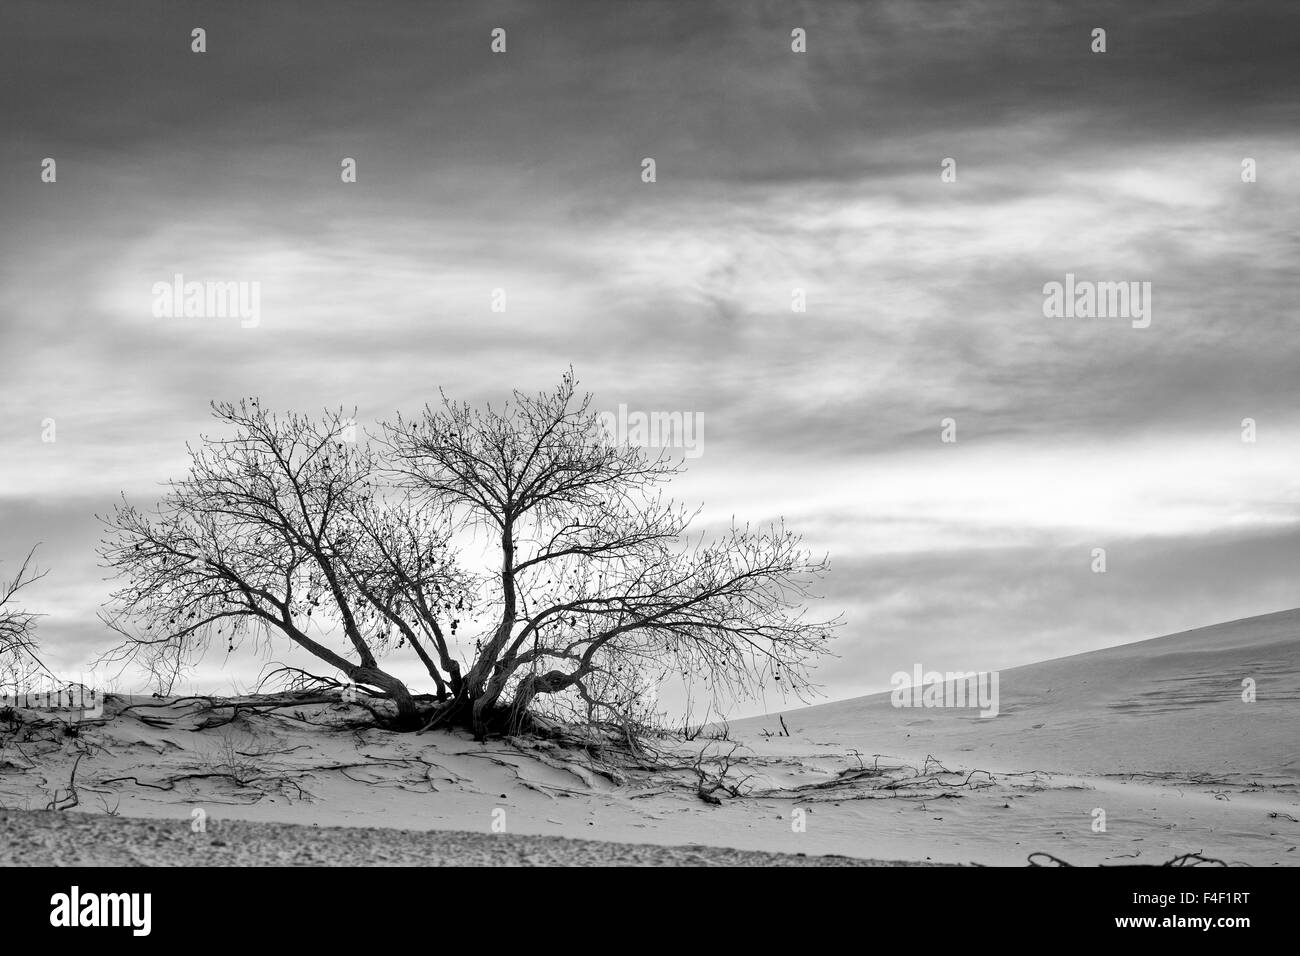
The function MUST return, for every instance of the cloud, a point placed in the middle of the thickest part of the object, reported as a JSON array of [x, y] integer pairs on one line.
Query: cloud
[[777, 172]]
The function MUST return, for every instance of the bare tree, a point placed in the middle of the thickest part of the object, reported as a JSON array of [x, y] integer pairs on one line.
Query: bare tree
[[17, 625], [279, 530], [596, 574], [287, 529]]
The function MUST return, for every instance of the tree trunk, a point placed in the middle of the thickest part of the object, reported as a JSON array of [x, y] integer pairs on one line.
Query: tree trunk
[[482, 684], [407, 713]]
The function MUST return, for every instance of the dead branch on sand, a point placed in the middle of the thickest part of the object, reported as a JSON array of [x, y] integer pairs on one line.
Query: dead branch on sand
[[216, 712], [711, 780], [1185, 859], [67, 798], [892, 781]]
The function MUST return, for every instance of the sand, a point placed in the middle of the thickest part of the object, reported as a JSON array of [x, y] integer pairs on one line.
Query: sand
[[44, 838], [1135, 754]]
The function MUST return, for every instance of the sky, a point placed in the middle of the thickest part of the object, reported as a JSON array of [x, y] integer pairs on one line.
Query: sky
[[775, 170]]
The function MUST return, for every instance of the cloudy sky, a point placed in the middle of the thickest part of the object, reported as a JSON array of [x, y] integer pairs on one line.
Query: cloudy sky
[[775, 170]]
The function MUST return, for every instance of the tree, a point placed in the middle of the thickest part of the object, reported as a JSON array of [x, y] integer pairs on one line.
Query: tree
[[17, 625], [279, 529], [595, 571], [594, 576]]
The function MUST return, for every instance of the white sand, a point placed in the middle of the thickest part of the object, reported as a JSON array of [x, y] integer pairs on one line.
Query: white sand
[[1154, 733]]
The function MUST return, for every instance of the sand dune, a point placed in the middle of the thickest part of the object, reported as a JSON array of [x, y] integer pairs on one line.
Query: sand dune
[[1168, 705], [1155, 736]]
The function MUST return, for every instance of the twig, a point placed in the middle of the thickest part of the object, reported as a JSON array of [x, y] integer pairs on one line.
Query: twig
[[70, 798]]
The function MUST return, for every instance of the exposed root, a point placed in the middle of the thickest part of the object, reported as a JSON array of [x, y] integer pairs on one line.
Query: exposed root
[[67, 798]]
